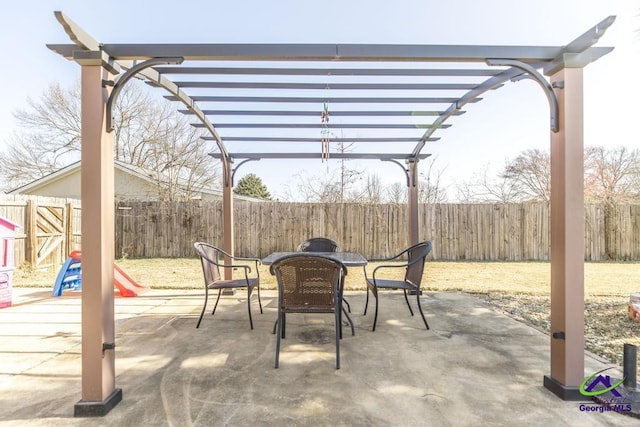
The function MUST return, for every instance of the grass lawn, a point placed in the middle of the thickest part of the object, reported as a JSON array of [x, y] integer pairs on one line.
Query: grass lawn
[[519, 289]]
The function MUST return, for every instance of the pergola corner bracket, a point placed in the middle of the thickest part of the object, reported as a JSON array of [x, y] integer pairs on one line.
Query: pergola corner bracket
[[124, 78], [235, 169], [404, 169], [412, 172], [539, 78]]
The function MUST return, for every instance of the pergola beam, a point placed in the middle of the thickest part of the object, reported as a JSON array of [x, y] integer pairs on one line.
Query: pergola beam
[[321, 126], [314, 140], [321, 99], [331, 52], [77, 35], [295, 113], [326, 86], [367, 156], [384, 72]]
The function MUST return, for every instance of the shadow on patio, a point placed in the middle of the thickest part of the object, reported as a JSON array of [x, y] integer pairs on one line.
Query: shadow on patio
[[473, 367]]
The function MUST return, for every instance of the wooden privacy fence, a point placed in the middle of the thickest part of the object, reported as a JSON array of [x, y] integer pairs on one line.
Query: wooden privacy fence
[[489, 232]]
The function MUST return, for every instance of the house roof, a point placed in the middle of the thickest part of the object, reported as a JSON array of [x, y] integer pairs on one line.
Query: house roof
[[137, 171]]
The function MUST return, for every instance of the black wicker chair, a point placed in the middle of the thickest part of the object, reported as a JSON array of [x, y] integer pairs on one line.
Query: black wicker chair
[[414, 268], [309, 284], [211, 264], [322, 244], [318, 244]]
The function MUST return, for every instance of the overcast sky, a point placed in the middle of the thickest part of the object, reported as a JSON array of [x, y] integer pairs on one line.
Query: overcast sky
[[507, 121]]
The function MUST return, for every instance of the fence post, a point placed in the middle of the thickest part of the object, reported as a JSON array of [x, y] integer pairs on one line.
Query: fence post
[[31, 229], [68, 228]]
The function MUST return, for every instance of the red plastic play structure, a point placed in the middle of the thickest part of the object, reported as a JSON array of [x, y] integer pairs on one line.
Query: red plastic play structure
[[69, 278]]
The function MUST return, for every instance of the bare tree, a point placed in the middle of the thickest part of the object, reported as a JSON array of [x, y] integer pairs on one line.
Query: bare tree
[[430, 189], [49, 137], [529, 174], [148, 133], [482, 188], [330, 187], [348, 176], [397, 193], [612, 175], [336, 185], [372, 192], [180, 161]]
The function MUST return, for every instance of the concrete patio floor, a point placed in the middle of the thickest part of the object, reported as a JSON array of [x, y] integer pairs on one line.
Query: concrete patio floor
[[474, 367]]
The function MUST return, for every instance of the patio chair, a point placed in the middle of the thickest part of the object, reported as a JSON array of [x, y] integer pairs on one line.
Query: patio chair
[[414, 267], [309, 284], [318, 244], [211, 264], [322, 244]]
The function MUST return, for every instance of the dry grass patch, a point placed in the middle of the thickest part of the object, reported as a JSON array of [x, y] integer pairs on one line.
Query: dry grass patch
[[519, 289]]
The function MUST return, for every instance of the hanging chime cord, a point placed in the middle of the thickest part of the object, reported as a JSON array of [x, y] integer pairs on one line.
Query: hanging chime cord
[[325, 132]]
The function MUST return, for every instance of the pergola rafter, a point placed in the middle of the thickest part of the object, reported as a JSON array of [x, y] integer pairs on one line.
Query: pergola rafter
[[397, 95]]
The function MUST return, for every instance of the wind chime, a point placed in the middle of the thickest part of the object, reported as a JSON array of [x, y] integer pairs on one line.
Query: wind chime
[[324, 133]]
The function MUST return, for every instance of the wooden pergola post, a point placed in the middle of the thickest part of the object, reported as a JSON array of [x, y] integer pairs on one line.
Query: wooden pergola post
[[567, 238], [227, 212], [412, 203], [99, 394]]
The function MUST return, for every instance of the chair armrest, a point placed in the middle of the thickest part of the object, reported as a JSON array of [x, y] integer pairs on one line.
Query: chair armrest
[[364, 267], [248, 259], [375, 270], [225, 253], [403, 265], [388, 259], [256, 260], [236, 266]]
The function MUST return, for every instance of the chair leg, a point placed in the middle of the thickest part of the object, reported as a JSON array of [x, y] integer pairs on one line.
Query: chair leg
[[278, 327], [420, 308], [249, 306], [284, 325], [375, 316], [353, 332], [217, 300], [366, 303], [339, 316], [204, 308], [259, 300], [407, 300], [344, 300], [338, 336]]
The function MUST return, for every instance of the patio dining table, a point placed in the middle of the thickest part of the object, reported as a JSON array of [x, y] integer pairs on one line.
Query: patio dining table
[[349, 259]]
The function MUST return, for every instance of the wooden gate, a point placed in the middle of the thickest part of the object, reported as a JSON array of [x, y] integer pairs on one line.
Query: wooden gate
[[52, 229]]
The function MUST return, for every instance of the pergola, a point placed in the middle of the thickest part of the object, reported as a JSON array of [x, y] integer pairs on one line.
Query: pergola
[[272, 101]]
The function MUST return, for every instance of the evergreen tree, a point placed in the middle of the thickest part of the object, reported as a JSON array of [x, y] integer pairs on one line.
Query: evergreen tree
[[251, 185]]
